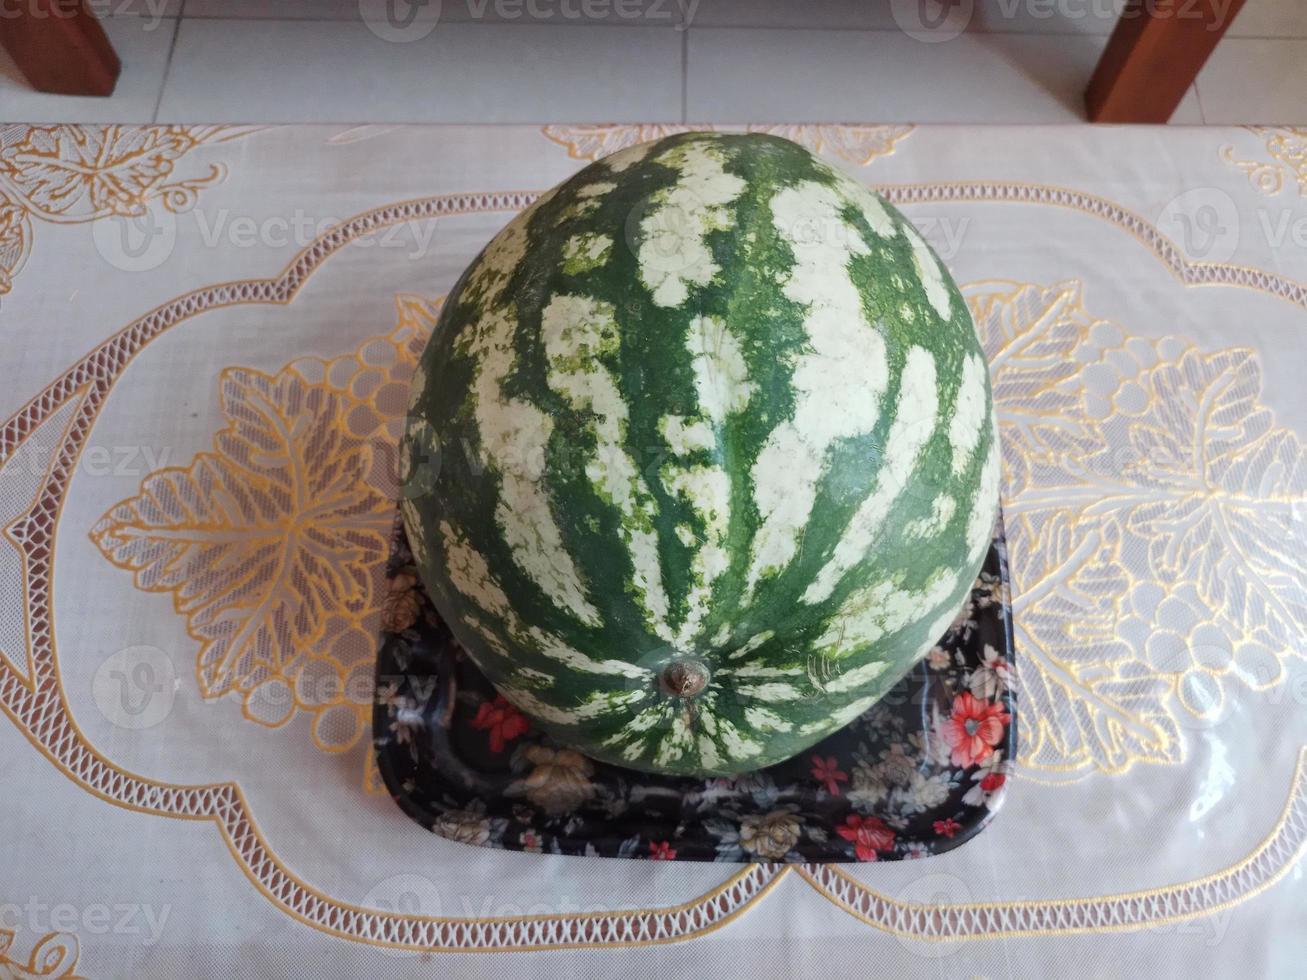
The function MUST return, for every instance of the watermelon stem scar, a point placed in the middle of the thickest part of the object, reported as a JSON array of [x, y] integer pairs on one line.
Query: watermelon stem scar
[[684, 678]]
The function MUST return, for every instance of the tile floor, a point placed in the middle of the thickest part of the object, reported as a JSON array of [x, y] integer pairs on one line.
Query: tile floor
[[627, 60]]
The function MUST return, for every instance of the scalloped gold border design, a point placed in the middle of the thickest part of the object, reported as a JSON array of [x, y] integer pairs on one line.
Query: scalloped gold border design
[[1190, 273]]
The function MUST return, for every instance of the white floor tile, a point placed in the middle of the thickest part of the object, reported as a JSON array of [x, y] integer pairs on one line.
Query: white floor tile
[[142, 44], [1189, 112], [1255, 81], [284, 71], [1271, 18], [880, 76], [624, 13]]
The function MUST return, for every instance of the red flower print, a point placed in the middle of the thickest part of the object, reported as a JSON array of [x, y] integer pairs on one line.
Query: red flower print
[[661, 850], [504, 721], [973, 729], [947, 828], [530, 841], [868, 834], [993, 782], [827, 772]]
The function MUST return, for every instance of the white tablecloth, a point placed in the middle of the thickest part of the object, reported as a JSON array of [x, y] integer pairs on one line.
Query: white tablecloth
[[185, 782]]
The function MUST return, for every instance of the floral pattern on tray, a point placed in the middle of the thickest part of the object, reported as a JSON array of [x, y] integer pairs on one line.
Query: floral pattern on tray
[[919, 773]]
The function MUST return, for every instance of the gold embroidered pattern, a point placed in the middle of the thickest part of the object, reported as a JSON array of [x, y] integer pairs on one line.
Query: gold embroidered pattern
[[15, 240], [55, 955], [1287, 147], [858, 145], [1150, 502], [272, 545], [593, 142], [71, 174], [1191, 273]]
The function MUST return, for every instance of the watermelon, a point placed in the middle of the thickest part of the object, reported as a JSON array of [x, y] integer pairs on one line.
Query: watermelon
[[701, 455]]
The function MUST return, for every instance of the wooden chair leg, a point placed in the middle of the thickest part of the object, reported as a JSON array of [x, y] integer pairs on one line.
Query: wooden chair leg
[[1153, 57], [59, 46]]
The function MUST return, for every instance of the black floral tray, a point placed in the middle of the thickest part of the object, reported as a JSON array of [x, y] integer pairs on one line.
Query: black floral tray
[[920, 773]]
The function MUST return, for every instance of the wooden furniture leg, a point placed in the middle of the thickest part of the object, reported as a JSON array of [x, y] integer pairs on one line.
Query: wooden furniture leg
[[1153, 57], [59, 46]]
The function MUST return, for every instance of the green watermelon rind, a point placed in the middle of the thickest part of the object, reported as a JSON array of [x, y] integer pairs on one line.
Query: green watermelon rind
[[709, 401]]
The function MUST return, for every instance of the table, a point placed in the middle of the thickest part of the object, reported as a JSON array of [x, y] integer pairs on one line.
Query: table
[[207, 337]]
